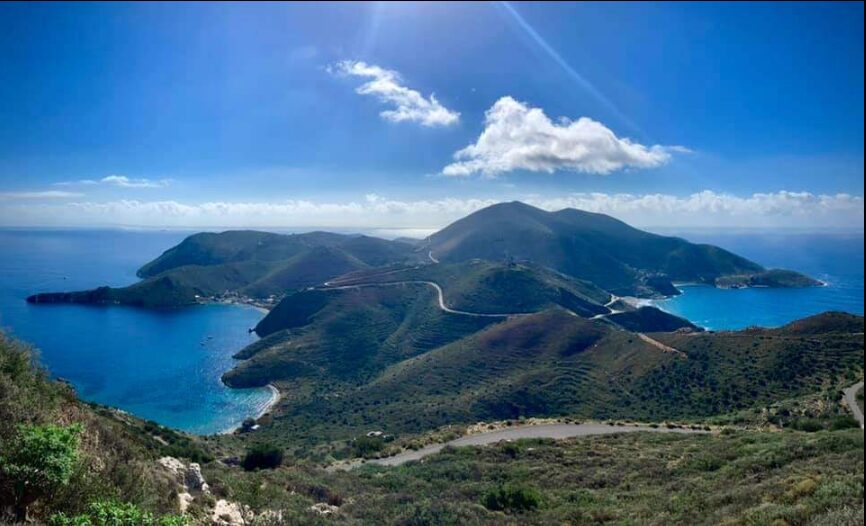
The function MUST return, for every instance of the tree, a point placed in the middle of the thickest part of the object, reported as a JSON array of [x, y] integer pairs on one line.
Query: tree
[[36, 462], [262, 456]]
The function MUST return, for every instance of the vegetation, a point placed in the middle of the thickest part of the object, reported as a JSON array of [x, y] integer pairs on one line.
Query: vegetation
[[489, 287], [736, 477], [545, 364], [37, 462], [262, 456], [113, 513], [651, 319], [510, 498], [246, 263], [774, 278], [594, 247]]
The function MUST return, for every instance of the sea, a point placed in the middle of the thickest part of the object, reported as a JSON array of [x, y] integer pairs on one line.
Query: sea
[[836, 258], [165, 365]]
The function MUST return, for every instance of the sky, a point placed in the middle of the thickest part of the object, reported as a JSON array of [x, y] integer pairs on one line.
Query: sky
[[408, 116]]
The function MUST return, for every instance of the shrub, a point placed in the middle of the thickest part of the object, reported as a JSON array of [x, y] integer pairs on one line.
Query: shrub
[[37, 461], [366, 447], [809, 425], [511, 498], [844, 422], [262, 456], [112, 513]]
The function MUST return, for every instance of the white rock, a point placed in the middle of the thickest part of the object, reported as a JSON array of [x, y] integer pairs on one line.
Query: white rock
[[323, 508], [227, 513], [172, 464], [194, 480]]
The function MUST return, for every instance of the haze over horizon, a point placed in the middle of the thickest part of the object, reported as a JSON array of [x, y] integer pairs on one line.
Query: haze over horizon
[[362, 116]]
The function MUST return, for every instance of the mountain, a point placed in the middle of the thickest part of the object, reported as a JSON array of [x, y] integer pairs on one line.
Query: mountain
[[247, 263], [589, 246], [593, 253]]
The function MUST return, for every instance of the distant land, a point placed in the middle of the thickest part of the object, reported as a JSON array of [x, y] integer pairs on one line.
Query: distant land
[[262, 267]]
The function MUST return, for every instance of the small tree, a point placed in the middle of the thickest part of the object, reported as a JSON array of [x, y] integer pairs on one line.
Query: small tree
[[262, 456], [510, 498], [37, 461]]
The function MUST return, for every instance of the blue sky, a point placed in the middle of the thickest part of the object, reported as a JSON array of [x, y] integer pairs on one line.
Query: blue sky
[[272, 115]]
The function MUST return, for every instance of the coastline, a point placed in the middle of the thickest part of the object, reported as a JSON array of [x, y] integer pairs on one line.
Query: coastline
[[276, 396]]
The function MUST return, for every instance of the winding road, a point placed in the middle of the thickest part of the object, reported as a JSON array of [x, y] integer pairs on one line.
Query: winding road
[[438, 289], [851, 400], [554, 431]]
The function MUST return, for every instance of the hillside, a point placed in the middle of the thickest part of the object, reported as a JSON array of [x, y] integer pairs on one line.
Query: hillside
[[491, 287], [357, 357], [247, 263], [348, 335], [593, 247]]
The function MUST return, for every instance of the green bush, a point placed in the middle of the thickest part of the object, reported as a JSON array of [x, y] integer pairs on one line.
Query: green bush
[[844, 422], [36, 462], [262, 456], [366, 447], [112, 513], [809, 425], [511, 498]]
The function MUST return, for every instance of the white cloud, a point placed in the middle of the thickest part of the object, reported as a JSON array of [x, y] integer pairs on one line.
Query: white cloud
[[50, 194], [701, 209], [518, 137], [119, 180], [387, 86]]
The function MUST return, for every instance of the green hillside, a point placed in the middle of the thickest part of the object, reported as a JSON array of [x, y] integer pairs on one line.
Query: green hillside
[[348, 335], [364, 356], [593, 247], [491, 287], [254, 264], [650, 319]]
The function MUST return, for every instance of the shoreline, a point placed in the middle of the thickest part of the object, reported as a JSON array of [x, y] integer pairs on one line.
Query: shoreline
[[276, 396]]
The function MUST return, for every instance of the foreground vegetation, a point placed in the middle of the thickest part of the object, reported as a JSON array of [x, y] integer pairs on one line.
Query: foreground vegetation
[[85, 465], [793, 478]]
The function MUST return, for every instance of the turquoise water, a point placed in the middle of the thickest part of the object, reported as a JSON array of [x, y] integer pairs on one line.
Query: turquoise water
[[836, 259], [148, 362]]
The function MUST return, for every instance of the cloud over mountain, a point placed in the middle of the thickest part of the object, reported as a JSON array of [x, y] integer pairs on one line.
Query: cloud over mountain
[[519, 137]]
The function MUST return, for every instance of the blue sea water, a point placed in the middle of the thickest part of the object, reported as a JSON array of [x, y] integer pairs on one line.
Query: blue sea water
[[148, 362], [833, 257]]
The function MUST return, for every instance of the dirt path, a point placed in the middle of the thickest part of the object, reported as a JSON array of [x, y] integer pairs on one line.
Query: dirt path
[[554, 431], [659, 345], [851, 400]]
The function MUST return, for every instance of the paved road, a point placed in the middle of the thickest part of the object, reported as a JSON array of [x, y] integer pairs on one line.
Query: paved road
[[851, 400], [555, 431], [438, 289]]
